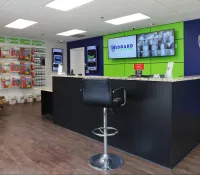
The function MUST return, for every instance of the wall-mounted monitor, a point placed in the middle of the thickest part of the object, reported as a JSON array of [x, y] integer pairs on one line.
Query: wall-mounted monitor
[[156, 44], [92, 58], [124, 47], [57, 58]]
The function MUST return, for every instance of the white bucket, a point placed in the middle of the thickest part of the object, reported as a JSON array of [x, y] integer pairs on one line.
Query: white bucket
[[30, 98], [21, 99], [38, 97], [13, 100]]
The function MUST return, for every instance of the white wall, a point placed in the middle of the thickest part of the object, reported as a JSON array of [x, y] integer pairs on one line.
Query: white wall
[[49, 72]]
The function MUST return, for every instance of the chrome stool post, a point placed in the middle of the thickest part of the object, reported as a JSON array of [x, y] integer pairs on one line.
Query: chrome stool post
[[105, 161]]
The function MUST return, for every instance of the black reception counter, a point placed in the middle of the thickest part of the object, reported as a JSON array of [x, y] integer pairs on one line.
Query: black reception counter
[[160, 122]]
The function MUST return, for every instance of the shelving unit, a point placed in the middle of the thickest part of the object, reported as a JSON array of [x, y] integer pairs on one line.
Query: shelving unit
[[17, 91], [40, 70]]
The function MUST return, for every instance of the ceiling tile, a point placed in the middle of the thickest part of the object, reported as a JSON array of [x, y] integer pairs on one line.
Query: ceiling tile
[[141, 4], [44, 12], [187, 6], [2, 2], [181, 6], [171, 3], [189, 15], [21, 7]]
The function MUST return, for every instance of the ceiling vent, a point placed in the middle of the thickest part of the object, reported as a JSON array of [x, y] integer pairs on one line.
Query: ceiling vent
[[78, 36]]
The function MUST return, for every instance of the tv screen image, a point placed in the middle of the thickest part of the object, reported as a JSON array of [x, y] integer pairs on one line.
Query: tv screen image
[[57, 58], [156, 44], [124, 47], [92, 58]]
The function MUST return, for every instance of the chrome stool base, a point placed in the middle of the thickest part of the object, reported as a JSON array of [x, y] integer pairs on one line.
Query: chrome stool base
[[106, 162]]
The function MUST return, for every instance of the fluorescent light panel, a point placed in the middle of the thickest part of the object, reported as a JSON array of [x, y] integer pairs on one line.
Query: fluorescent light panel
[[20, 24], [71, 32], [66, 5], [128, 19]]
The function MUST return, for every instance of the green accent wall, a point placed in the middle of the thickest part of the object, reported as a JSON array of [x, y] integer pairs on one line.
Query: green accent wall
[[153, 65]]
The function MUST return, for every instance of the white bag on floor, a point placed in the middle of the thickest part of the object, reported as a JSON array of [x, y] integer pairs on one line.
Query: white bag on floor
[[13, 100], [21, 99], [38, 97], [30, 98]]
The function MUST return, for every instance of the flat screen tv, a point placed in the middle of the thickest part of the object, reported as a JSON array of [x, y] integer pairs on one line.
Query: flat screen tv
[[92, 58], [124, 47], [156, 44], [57, 58]]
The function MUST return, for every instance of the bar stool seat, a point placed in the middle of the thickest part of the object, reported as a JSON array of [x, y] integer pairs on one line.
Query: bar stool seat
[[98, 92]]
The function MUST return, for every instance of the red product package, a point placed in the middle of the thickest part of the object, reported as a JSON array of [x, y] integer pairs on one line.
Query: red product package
[[33, 82], [23, 82], [25, 68], [28, 54], [15, 81], [33, 74], [32, 59], [26, 82], [22, 68], [6, 82], [5, 52], [6, 68], [32, 51], [14, 67], [25, 54], [22, 53], [32, 67], [14, 52]]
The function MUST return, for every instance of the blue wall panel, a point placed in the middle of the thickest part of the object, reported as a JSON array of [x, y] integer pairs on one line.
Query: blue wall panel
[[192, 48], [98, 41]]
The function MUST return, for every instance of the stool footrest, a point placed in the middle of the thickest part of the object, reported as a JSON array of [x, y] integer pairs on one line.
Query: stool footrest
[[100, 131]]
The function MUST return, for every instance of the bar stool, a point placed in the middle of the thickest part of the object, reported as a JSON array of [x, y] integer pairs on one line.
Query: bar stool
[[98, 92]]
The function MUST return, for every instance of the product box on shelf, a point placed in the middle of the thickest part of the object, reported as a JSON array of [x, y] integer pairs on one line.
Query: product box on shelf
[[14, 52], [32, 66], [25, 53], [32, 59], [33, 74], [5, 52], [32, 51], [26, 82], [6, 82], [16, 81], [33, 82], [25, 68], [14, 67], [6, 68], [32, 55]]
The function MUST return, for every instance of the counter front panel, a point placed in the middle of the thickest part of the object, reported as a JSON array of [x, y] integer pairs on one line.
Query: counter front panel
[[149, 122]]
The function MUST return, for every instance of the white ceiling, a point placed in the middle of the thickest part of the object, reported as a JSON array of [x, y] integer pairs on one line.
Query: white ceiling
[[88, 17]]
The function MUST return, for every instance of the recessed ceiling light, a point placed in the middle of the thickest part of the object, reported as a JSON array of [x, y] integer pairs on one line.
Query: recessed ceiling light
[[20, 24], [66, 5], [71, 32], [128, 19]]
